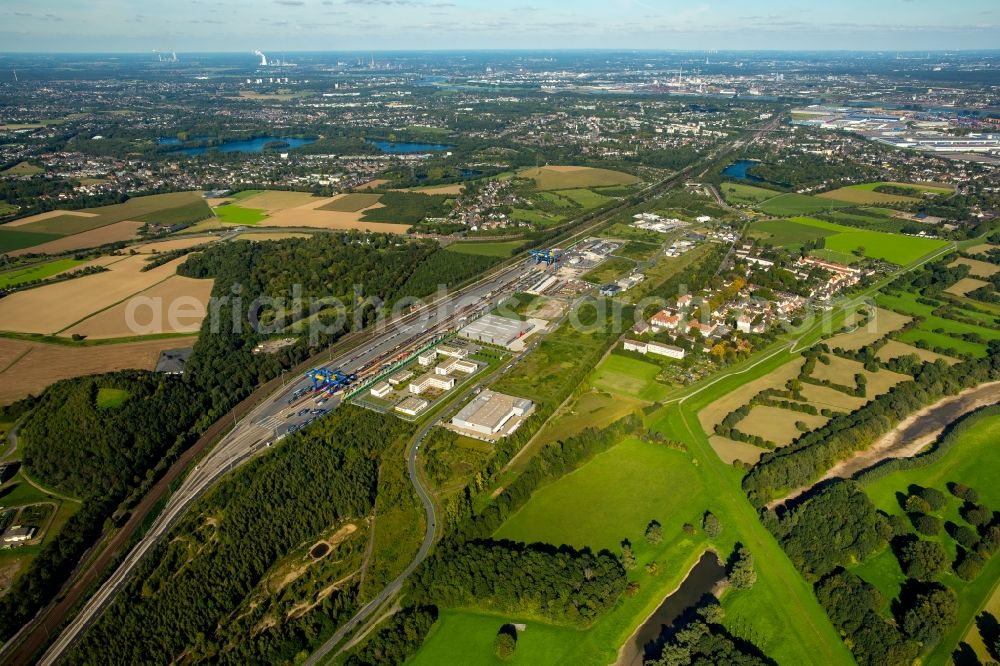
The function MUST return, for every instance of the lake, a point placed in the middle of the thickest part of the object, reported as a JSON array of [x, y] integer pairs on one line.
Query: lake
[[738, 170], [238, 146], [405, 147]]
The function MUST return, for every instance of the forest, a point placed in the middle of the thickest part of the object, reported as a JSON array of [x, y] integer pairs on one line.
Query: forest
[[74, 444], [190, 593], [558, 584]]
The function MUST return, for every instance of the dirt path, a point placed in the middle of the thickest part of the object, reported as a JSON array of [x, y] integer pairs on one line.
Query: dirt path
[[910, 436]]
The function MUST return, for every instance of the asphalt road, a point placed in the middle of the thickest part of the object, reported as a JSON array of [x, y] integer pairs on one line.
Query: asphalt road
[[251, 434]]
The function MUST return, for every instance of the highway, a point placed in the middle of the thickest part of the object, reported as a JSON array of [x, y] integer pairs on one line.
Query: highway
[[252, 434], [276, 415]]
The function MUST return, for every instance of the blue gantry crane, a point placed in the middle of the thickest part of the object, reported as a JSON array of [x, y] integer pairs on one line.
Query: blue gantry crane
[[548, 256], [333, 380]]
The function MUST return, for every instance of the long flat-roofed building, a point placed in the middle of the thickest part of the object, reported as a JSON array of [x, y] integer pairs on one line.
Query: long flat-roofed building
[[496, 330], [490, 414]]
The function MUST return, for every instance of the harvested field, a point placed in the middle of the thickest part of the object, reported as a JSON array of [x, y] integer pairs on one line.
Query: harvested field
[[980, 269], [839, 371], [895, 349], [570, 177], [981, 249], [372, 184], [883, 323], [171, 245], [111, 233], [455, 188], [48, 215], [275, 200], [823, 397], [713, 414], [323, 219], [351, 203], [52, 308], [176, 305], [777, 425], [842, 371], [729, 450], [211, 224], [38, 365], [964, 286], [857, 196]]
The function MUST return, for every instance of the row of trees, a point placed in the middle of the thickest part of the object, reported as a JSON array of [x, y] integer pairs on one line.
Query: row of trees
[[805, 459], [560, 584]]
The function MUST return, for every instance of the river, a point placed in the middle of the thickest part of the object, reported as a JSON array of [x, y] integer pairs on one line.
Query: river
[[911, 436], [704, 578]]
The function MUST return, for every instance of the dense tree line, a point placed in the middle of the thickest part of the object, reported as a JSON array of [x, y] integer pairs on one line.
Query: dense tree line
[[559, 584], [802, 461], [224, 545], [445, 268], [397, 640]]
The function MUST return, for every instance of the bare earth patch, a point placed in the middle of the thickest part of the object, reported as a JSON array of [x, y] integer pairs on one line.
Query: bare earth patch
[[980, 269], [895, 349]]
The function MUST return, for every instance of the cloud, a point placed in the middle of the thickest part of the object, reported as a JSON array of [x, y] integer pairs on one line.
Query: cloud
[[290, 3]]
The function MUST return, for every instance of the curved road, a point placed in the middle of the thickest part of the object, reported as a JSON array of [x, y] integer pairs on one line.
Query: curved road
[[262, 423]]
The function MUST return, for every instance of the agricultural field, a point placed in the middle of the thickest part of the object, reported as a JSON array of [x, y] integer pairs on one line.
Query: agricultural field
[[882, 324], [276, 200], [964, 286], [982, 248], [978, 269], [859, 194], [53, 308], [234, 214], [157, 247], [895, 349], [37, 272], [630, 377], [7, 209], [785, 205], [778, 425], [177, 305], [572, 177], [609, 270], [713, 413], [502, 249], [584, 198], [27, 367], [787, 233], [937, 331], [894, 248], [842, 371], [63, 231], [351, 203], [738, 193]]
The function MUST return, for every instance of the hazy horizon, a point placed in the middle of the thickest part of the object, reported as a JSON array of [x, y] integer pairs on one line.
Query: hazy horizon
[[214, 26]]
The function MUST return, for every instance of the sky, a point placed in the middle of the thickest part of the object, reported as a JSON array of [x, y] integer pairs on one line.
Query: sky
[[344, 25]]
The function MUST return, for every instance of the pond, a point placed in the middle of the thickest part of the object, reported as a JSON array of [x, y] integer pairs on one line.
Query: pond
[[256, 145], [406, 147], [738, 170], [646, 642]]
